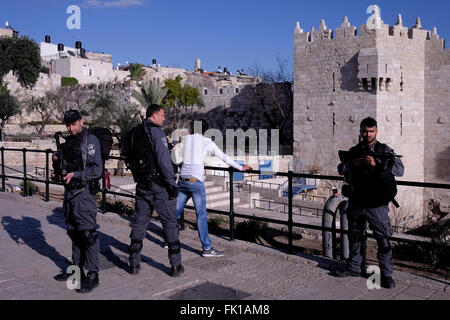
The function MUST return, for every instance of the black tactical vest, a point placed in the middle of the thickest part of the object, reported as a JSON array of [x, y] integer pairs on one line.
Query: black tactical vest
[[374, 186]]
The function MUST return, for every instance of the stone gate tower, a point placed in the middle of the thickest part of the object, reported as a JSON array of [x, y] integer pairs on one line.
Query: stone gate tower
[[396, 75]]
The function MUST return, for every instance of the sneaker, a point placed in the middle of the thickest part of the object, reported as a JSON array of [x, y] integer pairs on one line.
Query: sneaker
[[166, 245], [387, 282], [89, 283], [345, 272], [212, 253], [134, 270], [176, 271]]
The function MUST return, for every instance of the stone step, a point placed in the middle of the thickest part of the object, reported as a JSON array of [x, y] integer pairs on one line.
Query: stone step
[[211, 190], [215, 203]]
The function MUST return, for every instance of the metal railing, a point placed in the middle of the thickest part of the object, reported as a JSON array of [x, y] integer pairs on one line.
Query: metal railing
[[232, 215], [295, 210]]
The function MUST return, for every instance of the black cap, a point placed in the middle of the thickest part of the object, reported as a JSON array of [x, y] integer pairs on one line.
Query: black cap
[[71, 116]]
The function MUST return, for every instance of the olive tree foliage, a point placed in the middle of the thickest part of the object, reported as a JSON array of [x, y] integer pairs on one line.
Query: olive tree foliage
[[45, 107], [9, 107], [22, 56], [180, 101], [105, 111]]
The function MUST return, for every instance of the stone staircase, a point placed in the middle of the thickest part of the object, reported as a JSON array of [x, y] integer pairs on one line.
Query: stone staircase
[[216, 196]]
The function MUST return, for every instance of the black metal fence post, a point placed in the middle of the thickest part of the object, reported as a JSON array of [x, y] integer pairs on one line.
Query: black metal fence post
[[103, 192], [2, 149], [25, 181], [47, 180], [363, 250], [290, 221], [231, 213]]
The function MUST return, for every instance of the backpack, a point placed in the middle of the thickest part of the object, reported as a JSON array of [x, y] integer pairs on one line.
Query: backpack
[[140, 153], [385, 185], [106, 141]]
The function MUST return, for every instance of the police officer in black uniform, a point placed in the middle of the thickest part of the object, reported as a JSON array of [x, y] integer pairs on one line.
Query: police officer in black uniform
[[155, 189], [83, 167], [368, 201]]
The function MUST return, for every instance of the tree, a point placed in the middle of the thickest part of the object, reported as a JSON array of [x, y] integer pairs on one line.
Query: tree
[[21, 55], [9, 106], [45, 106], [179, 96], [150, 93], [137, 71], [275, 96], [106, 112]]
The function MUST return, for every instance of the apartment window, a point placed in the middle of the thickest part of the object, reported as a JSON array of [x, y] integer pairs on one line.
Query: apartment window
[[221, 91], [205, 91], [237, 90]]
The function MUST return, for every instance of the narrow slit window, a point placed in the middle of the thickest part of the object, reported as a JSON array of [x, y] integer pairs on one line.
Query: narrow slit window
[[365, 84], [334, 83], [388, 84]]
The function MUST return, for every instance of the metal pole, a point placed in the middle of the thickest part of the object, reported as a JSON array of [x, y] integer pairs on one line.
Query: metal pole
[[363, 249], [47, 181], [2, 149], [25, 181], [103, 192], [290, 221], [231, 213]]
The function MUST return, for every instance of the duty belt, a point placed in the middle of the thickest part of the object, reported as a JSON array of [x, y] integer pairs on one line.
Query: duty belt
[[188, 179]]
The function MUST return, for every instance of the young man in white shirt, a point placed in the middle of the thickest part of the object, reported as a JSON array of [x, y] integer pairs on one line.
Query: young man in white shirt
[[190, 183]]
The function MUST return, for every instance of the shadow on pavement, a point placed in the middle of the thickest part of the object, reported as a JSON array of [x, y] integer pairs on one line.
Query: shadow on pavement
[[108, 242], [29, 231]]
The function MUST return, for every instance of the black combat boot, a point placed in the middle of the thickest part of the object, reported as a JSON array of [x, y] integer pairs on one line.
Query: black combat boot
[[64, 276], [89, 283], [176, 271], [387, 282], [134, 270], [346, 272]]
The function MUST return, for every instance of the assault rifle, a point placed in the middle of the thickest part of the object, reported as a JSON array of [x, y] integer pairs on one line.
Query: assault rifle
[[363, 150], [61, 171]]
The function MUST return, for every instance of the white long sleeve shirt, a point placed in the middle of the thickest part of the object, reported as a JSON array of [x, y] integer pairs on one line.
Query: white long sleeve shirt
[[194, 152]]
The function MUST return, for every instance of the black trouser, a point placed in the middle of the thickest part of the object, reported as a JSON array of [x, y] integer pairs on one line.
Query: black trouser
[[80, 211], [147, 200], [380, 224]]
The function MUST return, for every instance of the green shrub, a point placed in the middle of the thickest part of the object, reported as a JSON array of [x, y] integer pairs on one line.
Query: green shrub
[[68, 81], [120, 208], [32, 189], [44, 69], [248, 230], [215, 221]]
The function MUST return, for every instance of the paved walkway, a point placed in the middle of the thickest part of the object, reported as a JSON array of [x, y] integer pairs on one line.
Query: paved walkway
[[34, 247]]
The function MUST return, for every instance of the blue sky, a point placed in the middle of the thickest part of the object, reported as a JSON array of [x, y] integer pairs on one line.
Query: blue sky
[[232, 34]]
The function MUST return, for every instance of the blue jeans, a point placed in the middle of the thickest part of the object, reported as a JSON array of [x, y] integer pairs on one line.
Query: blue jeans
[[196, 190]]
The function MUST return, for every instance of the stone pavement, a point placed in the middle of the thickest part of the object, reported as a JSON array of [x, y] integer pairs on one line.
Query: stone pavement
[[34, 247]]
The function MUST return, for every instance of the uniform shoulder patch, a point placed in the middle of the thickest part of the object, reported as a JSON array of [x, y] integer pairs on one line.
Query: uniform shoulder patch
[[164, 141], [91, 149]]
